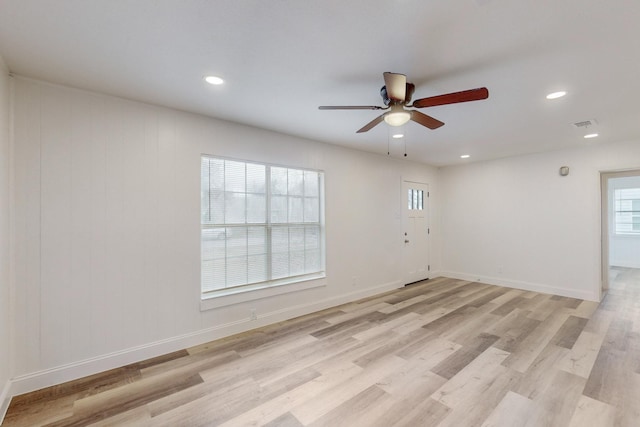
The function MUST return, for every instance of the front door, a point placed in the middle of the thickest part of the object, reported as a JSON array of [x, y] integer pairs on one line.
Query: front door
[[416, 231]]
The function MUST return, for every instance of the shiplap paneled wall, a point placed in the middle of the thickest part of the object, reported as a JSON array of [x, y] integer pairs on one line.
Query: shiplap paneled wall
[[5, 237], [107, 228]]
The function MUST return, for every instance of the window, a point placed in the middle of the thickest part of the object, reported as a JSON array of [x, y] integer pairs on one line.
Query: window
[[627, 210], [415, 199], [261, 225]]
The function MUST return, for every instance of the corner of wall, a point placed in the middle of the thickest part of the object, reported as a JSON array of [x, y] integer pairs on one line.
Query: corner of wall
[[5, 399], [5, 233]]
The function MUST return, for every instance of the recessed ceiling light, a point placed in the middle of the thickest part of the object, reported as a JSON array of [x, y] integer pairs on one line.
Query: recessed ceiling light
[[556, 95], [591, 135], [465, 156], [214, 80], [397, 136]]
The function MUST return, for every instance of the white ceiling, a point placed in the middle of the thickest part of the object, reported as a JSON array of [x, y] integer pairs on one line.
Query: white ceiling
[[281, 59]]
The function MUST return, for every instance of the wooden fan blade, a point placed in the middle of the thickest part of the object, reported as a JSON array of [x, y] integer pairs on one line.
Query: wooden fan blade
[[396, 86], [351, 107], [371, 124], [425, 120], [453, 98]]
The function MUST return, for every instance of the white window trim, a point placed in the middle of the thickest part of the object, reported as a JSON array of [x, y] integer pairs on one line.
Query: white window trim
[[238, 295]]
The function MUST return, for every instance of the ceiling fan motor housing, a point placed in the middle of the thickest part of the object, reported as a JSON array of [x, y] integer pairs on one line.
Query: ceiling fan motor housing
[[410, 88]]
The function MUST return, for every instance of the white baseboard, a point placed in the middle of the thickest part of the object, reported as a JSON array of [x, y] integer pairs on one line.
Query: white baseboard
[[526, 286], [60, 374], [5, 399]]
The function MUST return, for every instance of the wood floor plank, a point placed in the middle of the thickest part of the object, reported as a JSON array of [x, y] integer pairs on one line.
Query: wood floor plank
[[514, 329], [567, 301], [510, 305], [415, 380], [530, 347], [450, 320], [605, 376], [191, 365], [323, 402], [627, 408], [365, 408], [269, 411], [285, 420], [426, 413], [138, 417], [590, 412], [473, 379], [392, 346], [487, 298], [569, 332], [585, 309], [513, 410], [557, 403], [476, 391], [175, 400], [403, 304], [464, 356], [409, 389], [541, 372], [213, 409], [115, 401], [351, 315], [580, 359], [545, 307], [609, 369], [420, 321], [384, 327], [39, 412], [470, 327]]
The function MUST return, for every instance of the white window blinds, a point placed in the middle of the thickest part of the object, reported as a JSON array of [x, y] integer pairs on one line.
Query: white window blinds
[[260, 224]]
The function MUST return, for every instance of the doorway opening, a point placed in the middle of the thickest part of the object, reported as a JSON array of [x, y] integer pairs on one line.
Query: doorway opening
[[620, 206]]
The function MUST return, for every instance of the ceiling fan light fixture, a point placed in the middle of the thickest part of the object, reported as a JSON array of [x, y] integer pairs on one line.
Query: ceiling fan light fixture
[[397, 118]]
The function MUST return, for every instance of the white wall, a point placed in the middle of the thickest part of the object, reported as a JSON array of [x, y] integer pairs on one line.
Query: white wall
[[107, 232], [5, 237], [624, 250], [517, 222]]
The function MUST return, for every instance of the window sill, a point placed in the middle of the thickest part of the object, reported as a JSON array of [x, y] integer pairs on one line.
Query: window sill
[[227, 297]]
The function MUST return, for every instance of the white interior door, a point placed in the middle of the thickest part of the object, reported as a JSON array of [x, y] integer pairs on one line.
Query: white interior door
[[416, 231]]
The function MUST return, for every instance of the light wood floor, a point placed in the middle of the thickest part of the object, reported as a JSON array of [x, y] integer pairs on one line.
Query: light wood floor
[[440, 353]]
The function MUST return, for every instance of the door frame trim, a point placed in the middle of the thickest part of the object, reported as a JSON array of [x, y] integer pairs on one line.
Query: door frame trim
[[605, 176]]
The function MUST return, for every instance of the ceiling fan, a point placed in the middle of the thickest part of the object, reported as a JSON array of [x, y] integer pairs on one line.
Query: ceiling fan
[[396, 94]]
